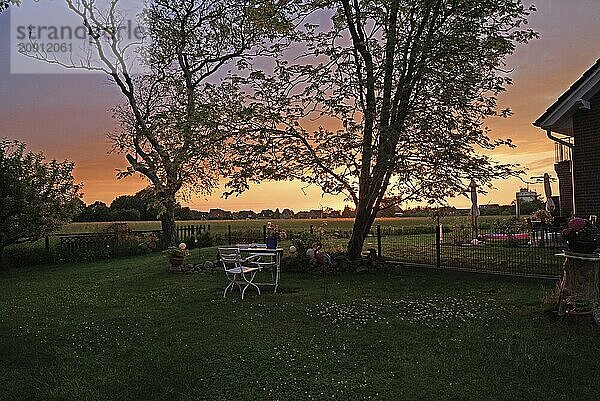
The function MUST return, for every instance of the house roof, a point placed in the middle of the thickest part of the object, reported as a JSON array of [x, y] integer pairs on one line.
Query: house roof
[[558, 117]]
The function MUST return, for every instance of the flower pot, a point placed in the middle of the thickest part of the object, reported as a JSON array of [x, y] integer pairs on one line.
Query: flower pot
[[580, 246], [579, 316], [176, 263], [271, 243]]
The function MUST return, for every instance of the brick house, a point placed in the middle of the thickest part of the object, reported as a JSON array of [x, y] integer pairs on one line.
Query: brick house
[[573, 123]]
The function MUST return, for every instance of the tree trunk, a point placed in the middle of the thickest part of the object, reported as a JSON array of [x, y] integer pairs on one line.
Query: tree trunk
[[169, 229], [362, 224]]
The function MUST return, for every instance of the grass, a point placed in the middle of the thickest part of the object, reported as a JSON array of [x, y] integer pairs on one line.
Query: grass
[[126, 329]]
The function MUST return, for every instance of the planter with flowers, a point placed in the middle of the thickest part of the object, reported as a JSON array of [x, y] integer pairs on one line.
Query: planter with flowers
[[581, 236], [176, 256], [274, 234]]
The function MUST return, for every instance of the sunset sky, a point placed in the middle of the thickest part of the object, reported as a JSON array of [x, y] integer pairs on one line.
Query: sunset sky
[[65, 115]]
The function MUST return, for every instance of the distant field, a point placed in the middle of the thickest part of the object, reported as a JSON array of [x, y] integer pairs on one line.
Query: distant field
[[288, 224]]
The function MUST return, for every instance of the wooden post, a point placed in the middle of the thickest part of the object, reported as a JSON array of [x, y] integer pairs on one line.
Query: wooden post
[[264, 234], [229, 234], [379, 240], [311, 229], [438, 245]]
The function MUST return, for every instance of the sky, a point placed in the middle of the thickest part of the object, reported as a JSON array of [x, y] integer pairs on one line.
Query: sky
[[66, 115]]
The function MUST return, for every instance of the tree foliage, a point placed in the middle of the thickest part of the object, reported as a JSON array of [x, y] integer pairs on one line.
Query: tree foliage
[[36, 196], [388, 101]]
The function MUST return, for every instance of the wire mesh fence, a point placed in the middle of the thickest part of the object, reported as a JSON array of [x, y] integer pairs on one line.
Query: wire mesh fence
[[513, 251]]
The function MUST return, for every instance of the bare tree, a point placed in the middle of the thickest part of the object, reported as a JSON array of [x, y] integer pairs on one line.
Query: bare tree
[[400, 90]]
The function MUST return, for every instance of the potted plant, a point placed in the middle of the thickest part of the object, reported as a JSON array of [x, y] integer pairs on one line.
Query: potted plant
[[543, 216], [274, 233], [176, 256], [581, 235]]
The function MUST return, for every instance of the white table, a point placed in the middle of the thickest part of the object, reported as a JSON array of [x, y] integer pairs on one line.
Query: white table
[[277, 254]]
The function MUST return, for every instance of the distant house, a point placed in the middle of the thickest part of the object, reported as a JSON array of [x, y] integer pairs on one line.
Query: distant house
[[525, 195], [394, 211], [216, 214], [246, 215], [573, 123], [334, 214], [315, 214], [348, 212], [303, 215], [266, 214], [287, 214]]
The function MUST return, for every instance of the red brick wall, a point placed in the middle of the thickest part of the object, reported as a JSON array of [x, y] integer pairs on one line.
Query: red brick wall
[[586, 159], [563, 172]]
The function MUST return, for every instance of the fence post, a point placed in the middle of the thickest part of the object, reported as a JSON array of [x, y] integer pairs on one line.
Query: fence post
[[379, 240], [229, 234], [311, 229], [209, 227], [264, 234], [438, 245]]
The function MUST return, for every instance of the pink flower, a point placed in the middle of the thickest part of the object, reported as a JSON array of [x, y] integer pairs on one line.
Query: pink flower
[[567, 232], [577, 224]]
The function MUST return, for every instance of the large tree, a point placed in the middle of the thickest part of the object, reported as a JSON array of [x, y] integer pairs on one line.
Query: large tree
[[387, 103], [36, 196], [168, 122]]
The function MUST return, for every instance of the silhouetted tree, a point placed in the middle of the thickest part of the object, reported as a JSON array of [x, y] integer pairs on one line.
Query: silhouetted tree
[[401, 88], [169, 121], [36, 196]]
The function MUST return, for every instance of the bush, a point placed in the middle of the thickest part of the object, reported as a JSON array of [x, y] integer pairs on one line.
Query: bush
[[202, 240], [304, 240], [298, 263], [30, 254], [148, 242]]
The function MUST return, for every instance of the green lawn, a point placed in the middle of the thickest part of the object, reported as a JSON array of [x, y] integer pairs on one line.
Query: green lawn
[[127, 330]]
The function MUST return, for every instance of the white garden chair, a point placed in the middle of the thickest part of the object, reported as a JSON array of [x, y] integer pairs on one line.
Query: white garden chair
[[236, 267]]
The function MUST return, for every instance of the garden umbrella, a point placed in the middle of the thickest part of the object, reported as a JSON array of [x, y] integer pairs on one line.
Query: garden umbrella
[[550, 206], [474, 206]]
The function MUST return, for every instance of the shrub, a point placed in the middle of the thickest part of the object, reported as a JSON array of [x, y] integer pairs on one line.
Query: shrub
[[303, 241]]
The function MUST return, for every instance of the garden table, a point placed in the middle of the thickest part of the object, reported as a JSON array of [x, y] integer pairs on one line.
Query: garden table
[[276, 254], [581, 279]]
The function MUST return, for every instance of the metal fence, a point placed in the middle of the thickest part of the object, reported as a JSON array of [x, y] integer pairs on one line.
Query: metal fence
[[512, 251], [516, 250]]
